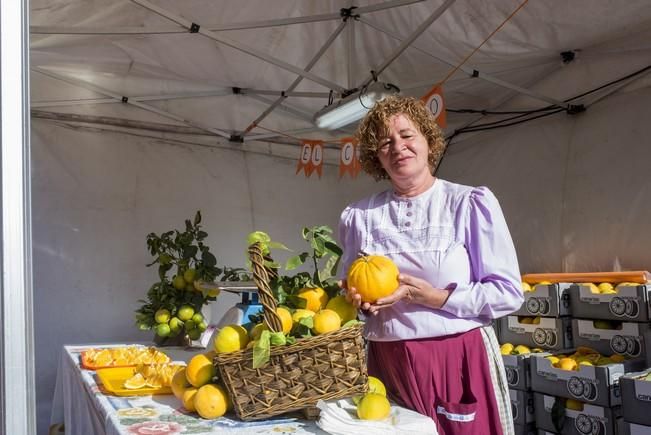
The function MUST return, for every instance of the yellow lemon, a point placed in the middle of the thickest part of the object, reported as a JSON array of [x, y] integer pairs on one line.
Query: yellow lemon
[[285, 318], [200, 369], [135, 382], [521, 349], [593, 288], [536, 320], [188, 398], [231, 338], [179, 383], [373, 406], [584, 363], [554, 359], [341, 306], [567, 364], [315, 298], [211, 401], [574, 405], [326, 321], [606, 287], [526, 287], [374, 386], [526, 320], [301, 313], [506, 349]]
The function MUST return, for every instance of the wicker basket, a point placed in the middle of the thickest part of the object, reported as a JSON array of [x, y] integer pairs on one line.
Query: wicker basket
[[328, 366]]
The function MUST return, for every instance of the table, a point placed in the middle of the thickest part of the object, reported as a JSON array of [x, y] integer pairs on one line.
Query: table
[[80, 403]]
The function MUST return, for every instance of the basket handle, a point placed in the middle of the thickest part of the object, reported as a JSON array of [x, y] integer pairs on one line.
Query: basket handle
[[261, 277]]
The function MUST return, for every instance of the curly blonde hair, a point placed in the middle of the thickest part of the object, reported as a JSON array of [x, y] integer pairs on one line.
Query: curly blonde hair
[[374, 127]]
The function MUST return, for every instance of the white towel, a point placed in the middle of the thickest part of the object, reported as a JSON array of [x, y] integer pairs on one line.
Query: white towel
[[340, 418]]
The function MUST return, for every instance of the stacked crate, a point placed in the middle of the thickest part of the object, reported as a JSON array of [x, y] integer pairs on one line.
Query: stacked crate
[[541, 324], [587, 399], [636, 402]]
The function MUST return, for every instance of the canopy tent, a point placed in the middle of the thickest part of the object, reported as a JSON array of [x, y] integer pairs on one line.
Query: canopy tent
[[145, 110]]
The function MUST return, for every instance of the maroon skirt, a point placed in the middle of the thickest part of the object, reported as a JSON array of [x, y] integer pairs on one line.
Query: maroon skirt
[[447, 378]]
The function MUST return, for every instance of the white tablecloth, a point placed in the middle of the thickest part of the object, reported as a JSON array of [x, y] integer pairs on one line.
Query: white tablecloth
[[80, 403]]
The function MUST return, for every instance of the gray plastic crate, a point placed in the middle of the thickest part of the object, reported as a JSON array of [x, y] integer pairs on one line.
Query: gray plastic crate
[[529, 429], [548, 300], [628, 340], [591, 420], [636, 397], [550, 333], [630, 303], [635, 429], [518, 375], [522, 407], [598, 385]]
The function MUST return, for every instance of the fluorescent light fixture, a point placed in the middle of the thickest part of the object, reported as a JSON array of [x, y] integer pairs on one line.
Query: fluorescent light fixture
[[353, 107]]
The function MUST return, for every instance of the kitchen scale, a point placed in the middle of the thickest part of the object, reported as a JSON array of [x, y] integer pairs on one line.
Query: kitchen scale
[[248, 305]]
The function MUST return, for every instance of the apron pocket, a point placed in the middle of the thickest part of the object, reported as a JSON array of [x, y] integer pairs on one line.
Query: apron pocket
[[457, 418]]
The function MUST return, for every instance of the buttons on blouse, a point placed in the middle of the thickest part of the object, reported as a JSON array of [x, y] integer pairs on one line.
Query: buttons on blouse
[[409, 213], [409, 204], [407, 224]]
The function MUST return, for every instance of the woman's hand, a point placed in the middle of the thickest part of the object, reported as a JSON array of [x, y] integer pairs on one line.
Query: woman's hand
[[353, 297], [411, 290]]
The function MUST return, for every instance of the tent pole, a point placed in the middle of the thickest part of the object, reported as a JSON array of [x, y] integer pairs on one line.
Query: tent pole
[[84, 84], [238, 45], [86, 30], [407, 42], [298, 79], [476, 73], [17, 384]]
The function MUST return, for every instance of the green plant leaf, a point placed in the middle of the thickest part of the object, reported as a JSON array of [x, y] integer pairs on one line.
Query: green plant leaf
[[278, 339], [197, 218], [277, 245], [352, 322], [261, 350], [296, 261], [208, 259]]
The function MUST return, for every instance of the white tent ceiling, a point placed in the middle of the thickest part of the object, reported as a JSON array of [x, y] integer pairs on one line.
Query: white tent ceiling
[[87, 55]]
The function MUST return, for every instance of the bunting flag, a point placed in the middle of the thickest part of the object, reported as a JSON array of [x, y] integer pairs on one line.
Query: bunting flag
[[434, 102], [311, 158], [305, 159], [349, 157], [317, 157]]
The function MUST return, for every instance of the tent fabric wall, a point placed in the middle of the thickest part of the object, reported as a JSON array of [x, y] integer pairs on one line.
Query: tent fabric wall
[[576, 190], [96, 196]]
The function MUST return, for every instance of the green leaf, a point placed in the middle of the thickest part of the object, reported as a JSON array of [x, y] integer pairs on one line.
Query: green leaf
[[208, 259], [295, 301], [333, 248], [261, 350], [307, 321], [197, 218], [258, 236], [278, 339], [296, 261], [352, 322], [277, 245], [190, 252]]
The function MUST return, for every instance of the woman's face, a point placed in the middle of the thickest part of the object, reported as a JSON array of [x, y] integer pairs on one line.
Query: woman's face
[[403, 151]]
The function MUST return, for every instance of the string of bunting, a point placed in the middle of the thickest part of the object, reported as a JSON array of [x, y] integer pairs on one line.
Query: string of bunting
[[311, 157]]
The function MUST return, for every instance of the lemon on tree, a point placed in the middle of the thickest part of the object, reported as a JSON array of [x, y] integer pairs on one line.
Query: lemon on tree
[[182, 258]]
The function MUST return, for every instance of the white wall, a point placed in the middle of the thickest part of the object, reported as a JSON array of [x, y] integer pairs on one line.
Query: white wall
[[96, 195]]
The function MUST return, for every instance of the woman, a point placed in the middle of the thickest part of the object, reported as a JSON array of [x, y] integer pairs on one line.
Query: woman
[[430, 342]]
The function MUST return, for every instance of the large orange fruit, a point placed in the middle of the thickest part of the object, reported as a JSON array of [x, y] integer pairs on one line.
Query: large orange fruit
[[373, 276]]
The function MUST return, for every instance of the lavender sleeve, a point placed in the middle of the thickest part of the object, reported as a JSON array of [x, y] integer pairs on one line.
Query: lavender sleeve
[[495, 289]]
